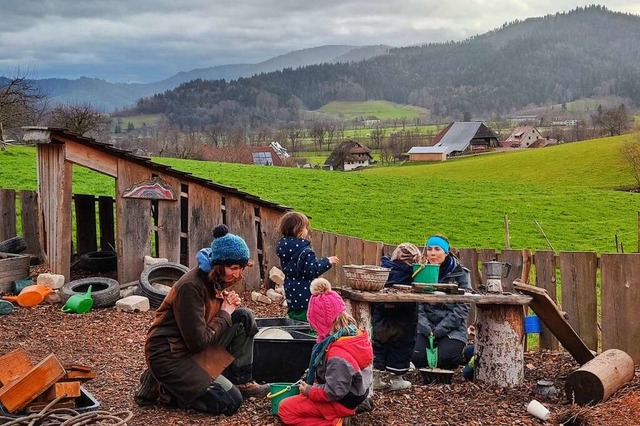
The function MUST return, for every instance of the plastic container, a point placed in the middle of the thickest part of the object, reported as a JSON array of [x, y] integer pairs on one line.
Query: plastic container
[[282, 360], [85, 402], [279, 392], [280, 322], [532, 324], [425, 273]]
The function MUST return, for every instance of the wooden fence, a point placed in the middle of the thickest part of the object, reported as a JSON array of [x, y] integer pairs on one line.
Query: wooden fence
[[605, 315]]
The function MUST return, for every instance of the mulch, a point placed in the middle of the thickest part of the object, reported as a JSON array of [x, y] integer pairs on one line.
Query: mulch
[[112, 343]]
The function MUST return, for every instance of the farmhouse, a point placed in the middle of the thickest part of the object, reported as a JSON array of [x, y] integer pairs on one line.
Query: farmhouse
[[522, 137], [272, 155], [456, 139], [349, 155]]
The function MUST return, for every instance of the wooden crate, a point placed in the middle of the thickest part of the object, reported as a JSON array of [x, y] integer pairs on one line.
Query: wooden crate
[[12, 267]]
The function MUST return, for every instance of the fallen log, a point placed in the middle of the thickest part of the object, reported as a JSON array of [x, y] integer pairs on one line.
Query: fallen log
[[599, 378]]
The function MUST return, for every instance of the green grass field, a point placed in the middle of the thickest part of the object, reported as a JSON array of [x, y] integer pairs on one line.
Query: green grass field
[[138, 121], [569, 190], [382, 110]]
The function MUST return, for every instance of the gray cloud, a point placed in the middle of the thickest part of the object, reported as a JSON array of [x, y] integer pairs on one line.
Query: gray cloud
[[143, 41]]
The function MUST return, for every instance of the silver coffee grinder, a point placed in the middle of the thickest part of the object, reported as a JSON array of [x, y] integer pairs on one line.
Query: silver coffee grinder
[[495, 271]]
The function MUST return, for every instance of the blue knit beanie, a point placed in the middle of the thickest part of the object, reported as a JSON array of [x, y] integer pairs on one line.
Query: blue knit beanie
[[228, 249]]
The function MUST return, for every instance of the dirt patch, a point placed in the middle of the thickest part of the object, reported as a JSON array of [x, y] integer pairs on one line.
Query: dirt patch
[[112, 342]]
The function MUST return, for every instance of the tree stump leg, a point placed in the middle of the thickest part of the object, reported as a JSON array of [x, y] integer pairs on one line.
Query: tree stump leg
[[500, 345], [361, 312]]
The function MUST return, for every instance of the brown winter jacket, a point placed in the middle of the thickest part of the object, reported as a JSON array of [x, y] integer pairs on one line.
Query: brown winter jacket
[[187, 327]]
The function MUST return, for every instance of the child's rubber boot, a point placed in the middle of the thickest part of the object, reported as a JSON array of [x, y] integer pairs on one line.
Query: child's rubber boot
[[469, 370], [397, 382], [378, 383]]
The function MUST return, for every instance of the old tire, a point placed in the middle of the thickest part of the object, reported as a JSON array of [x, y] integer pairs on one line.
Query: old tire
[[104, 291], [99, 261], [13, 245], [165, 274]]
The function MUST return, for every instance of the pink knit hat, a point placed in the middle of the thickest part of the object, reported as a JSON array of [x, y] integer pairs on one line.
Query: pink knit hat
[[324, 307]]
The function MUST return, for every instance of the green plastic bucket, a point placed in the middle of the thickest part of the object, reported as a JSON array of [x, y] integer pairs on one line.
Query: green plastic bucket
[[425, 273], [280, 391]]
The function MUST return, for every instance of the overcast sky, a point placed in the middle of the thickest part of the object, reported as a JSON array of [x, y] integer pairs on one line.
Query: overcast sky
[[149, 40]]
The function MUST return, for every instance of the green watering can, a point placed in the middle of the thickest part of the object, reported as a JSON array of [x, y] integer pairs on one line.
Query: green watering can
[[79, 303], [432, 353]]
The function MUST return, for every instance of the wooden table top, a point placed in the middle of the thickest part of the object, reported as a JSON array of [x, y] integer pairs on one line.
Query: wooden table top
[[393, 295]]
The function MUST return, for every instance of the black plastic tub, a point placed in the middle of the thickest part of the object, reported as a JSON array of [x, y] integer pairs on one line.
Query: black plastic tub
[[280, 322], [282, 360], [85, 402]]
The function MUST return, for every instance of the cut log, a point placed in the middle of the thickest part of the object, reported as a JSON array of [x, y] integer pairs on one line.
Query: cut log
[[13, 365], [20, 392], [500, 345], [599, 378]]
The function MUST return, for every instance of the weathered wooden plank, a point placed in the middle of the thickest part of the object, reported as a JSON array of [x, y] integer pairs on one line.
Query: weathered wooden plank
[[107, 223], [7, 214], [91, 158], [85, 206], [387, 249], [401, 296], [469, 258], [13, 365], [356, 250], [133, 226], [61, 389], [514, 258], [31, 223], [241, 221], [342, 251], [620, 286], [20, 392], [204, 214], [371, 252], [545, 264], [578, 277], [329, 241], [269, 222], [551, 316], [499, 345], [169, 223]]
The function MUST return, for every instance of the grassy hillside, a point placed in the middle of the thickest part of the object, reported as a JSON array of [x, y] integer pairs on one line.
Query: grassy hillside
[[382, 110], [567, 189]]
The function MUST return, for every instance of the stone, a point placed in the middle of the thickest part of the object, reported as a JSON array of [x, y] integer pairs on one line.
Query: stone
[[54, 281], [53, 298], [133, 304], [274, 295], [148, 260], [256, 296], [276, 275], [129, 291]]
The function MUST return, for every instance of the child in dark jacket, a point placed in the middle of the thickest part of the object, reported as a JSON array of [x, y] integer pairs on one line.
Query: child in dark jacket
[[394, 324], [339, 374], [299, 263]]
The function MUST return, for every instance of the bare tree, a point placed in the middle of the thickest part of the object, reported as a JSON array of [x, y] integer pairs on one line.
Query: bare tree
[[630, 152], [294, 136], [81, 118], [377, 136], [613, 121], [21, 103], [317, 133]]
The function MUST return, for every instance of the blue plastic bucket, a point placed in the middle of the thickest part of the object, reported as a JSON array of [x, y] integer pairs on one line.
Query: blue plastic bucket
[[532, 324]]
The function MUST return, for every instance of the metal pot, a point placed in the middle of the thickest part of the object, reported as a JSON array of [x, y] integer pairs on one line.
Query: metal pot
[[495, 269]]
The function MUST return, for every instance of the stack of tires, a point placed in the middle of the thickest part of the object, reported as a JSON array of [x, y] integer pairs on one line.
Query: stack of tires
[[14, 245], [156, 280]]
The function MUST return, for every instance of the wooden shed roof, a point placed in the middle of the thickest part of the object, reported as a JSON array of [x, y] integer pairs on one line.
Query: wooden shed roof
[[46, 135]]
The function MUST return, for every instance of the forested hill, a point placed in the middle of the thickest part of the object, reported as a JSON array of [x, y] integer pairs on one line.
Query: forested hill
[[557, 58]]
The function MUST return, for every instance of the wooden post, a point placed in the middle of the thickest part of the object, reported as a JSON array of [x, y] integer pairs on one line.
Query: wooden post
[[361, 312], [500, 345], [599, 378], [7, 214], [507, 237], [31, 223]]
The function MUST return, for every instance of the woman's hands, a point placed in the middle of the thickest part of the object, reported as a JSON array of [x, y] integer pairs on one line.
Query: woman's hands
[[230, 302]]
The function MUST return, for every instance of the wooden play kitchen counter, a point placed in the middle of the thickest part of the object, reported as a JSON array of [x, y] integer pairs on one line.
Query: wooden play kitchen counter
[[500, 335]]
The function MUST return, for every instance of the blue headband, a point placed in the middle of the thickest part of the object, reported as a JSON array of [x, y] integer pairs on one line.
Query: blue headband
[[438, 242]]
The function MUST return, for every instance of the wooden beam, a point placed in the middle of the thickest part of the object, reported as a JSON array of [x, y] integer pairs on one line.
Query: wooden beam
[[13, 365], [91, 158]]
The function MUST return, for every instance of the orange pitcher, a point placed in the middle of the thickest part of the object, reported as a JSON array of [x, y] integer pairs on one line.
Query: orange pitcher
[[30, 295]]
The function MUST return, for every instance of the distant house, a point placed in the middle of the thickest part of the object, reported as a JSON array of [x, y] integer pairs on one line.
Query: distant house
[[522, 137], [349, 155], [456, 139], [258, 155]]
